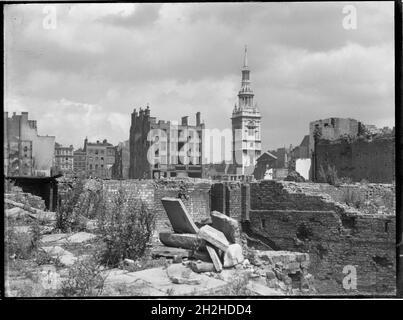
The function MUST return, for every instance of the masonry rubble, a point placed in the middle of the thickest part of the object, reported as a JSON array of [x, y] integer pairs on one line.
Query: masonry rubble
[[210, 243]]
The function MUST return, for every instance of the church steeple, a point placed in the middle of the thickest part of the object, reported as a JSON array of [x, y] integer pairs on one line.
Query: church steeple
[[246, 125], [245, 95]]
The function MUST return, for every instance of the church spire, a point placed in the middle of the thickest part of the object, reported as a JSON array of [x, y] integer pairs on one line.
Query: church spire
[[245, 95], [245, 59]]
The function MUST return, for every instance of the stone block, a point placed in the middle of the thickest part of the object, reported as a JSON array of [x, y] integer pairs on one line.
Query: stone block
[[182, 240], [228, 226], [170, 252], [214, 237], [233, 255], [180, 219], [214, 257], [200, 266]]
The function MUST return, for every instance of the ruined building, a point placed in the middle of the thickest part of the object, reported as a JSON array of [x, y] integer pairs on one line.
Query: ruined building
[[100, 157], [332, 129], [64, 158], [164, 149], [352, 149], [246, 121], [25, 152]]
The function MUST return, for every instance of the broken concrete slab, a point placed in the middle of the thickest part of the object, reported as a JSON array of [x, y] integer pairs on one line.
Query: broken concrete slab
[[200, 266], [65, 257], [233, 255], [16, 213], [178, 215], [180, 274], [214, 257], [80, 237], [182, 240], [214, 237], [55, 237], [158, 279], [228, 226], [263, 290]]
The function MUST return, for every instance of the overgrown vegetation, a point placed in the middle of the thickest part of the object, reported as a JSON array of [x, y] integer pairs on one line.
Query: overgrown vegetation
[[85, 278], [238, 286], [21, 244], [126, 227], [328, 175], [79, 201]]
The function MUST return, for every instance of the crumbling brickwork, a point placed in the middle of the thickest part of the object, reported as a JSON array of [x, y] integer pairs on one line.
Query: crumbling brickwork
[[334, 235], [361, 159], [226, 197]]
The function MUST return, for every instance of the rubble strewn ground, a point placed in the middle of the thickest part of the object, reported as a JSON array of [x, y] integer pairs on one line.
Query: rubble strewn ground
[[118, 252]]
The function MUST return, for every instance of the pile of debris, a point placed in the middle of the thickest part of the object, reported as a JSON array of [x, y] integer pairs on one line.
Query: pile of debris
[[208, 248]]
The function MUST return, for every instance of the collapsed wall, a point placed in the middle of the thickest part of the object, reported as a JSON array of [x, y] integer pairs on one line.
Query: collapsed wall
[[334, 235]]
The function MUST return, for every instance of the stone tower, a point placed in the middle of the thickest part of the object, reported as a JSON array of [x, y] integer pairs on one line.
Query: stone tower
[[246, 119]]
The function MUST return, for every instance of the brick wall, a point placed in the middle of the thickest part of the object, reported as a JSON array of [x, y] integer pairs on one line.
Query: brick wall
[[373, 161], [226, 197], [195, 194], [334, 235]]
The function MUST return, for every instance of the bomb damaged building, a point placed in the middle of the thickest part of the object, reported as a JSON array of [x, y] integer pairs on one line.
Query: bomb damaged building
[[164, 148]]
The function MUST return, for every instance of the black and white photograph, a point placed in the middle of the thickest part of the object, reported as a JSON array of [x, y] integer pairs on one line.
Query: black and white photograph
[[165, 150]]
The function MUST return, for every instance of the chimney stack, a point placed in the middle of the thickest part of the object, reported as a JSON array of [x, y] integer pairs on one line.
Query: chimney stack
[[198, 119]]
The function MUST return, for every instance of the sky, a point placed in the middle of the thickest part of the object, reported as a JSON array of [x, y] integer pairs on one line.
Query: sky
[[81, 69]]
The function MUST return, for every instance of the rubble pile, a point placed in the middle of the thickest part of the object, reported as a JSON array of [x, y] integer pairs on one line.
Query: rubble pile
[[209, 248]]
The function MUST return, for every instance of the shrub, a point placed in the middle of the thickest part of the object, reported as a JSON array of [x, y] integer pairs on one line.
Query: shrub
[[126, 227], [238, 286], [19, 244], [66, 215], [85, 278], [79, 201]]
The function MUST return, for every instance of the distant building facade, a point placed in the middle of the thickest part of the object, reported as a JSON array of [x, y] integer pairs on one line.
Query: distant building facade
[[64, 158], [25, 152], [164, 149], [120, 169], [100, 157], [246, 126], [79, 161]]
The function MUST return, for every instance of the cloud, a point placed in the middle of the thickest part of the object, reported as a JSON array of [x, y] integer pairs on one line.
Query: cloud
[[102, 61]]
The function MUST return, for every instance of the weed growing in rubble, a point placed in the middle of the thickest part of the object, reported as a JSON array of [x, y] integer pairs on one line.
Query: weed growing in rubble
[[238, 286], [79, 202], [19, 244], [126, 228], [67, 216], [328, 175], [85, 278]]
